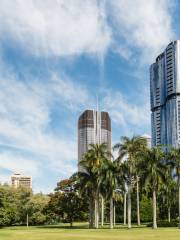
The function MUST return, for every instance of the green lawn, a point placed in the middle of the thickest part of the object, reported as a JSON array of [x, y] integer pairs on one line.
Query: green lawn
[[57, 233]]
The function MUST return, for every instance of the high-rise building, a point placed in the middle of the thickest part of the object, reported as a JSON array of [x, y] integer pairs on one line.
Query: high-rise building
[[165, 96], [18, 180], [93, 127]]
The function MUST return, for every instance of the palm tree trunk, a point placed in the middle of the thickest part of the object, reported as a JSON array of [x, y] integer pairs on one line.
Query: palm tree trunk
[[114, 214], [27, 220], [97, 211], [154, 210], [111, 213], [138, 212], [169, 214], [129, 206], [91, 210], [179, 196], [125, 208], [102, 211]]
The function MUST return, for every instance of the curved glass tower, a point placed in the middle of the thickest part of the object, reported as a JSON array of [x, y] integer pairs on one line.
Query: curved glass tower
[[165, 96], [93, 127]]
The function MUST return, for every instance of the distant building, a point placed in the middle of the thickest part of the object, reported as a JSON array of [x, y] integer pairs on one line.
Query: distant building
[[93, 127], [148, 139], [165, 96], [18, 180]]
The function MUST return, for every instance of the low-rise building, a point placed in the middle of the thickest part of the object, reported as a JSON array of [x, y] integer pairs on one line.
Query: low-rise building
[[19, 180]]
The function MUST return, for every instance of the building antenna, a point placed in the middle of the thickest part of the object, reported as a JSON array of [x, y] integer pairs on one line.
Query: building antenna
[[97, 103], [98, 121]]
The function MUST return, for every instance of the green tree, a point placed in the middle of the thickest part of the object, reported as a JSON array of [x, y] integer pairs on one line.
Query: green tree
[[8, 209], [174, 154], [22, 199], [154, 174], [131, 148], [12, 204], [108, 182], [90, 163], [146, 209], [86, 183], [35, 209], [67, 202]]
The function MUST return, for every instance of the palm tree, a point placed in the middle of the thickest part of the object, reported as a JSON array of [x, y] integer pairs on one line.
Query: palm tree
[[154, 173], [169, 189], [108, 182], [131, 148], [174, 154], [117, 197], [168, 193], [92, 160], [86, 183]]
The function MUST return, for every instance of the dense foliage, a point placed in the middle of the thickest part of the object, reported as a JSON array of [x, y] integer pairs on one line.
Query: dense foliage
[[66, 205], [140, 185], [17, 206]]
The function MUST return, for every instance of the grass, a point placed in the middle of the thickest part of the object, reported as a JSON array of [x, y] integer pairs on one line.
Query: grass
[[80, 232]]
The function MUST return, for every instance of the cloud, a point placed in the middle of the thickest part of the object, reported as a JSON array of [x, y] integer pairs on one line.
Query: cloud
[[55, 28], [18, 163], [68, 27], [142, 25], [62, 28], [25, 120], [125, 114]]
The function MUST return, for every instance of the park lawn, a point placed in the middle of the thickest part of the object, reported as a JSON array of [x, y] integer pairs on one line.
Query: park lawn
[[61, 233]]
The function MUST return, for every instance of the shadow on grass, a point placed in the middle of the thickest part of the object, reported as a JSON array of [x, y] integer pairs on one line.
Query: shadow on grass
[[85, 226], [63, 227]]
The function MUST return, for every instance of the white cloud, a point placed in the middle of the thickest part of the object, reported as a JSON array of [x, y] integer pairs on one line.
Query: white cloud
[[19, 164], [125, 114], [60, 27], [25, 117], [146, 25], [63, 28], [68, 27]]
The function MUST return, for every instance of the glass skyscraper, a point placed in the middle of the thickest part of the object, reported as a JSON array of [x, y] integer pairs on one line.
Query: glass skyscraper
[[165, 96], [93, 127]]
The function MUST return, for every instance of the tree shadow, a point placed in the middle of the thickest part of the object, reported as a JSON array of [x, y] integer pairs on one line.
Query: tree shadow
[[63, 227]]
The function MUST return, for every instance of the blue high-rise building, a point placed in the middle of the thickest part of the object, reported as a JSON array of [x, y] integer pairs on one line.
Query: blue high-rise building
[[165, 96]]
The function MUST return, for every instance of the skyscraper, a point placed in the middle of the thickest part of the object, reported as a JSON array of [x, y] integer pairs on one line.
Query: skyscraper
[[93, 127], [165, 96]]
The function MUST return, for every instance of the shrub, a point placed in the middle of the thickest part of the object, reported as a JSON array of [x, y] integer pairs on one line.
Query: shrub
[[164, 223]]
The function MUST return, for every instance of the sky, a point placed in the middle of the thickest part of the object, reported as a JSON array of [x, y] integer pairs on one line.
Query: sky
[[56, 57]]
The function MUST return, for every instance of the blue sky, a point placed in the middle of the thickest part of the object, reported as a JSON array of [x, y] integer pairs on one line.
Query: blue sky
[[55, 58]]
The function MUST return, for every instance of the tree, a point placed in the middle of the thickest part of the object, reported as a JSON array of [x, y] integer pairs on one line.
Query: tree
[[174, 154], [23, 197], [35, 209], [90, 163], [8, 209], [67, 202], [154, 173], [13, 202], [108, 182], [87, 184], [168, 190], [130, 148], [146, 208]]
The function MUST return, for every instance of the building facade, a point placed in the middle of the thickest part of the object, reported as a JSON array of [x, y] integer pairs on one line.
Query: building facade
[[18, 180], [93, 127], [165, 96]]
